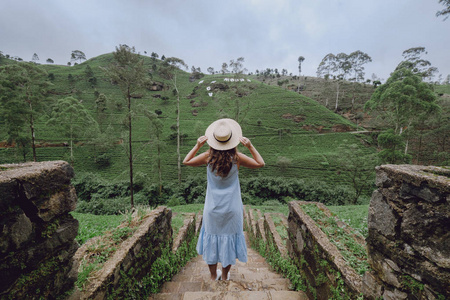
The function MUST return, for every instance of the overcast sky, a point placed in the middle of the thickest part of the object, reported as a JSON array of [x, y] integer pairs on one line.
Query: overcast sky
[[267, 33]]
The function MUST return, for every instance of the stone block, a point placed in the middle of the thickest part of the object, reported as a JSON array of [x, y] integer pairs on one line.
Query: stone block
[[16, 230], [381, 216]]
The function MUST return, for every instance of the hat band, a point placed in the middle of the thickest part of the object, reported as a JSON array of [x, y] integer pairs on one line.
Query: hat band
[[231, 134]]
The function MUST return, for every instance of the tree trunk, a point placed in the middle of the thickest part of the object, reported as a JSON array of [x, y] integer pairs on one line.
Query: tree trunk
[[159, 168], [33, 142], [406, 146], [337, 98], [178, 133], [420, 148], [130, 154], [71, 146]]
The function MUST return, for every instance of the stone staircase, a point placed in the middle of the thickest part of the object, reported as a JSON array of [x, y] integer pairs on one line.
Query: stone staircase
[[251, 280]]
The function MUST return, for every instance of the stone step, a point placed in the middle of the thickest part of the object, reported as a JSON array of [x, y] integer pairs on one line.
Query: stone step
[[278, 284], [232, 295]]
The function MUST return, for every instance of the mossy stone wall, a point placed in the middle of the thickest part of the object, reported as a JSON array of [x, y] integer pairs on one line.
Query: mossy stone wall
[[36, 231]]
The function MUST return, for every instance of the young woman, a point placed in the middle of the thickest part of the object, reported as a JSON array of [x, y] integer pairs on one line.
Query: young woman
[[222, 237]]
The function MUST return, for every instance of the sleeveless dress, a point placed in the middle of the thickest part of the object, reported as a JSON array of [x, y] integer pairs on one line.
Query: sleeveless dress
[[222, 237]]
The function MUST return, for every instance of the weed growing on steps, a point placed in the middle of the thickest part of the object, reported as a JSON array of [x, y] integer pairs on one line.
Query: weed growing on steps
[[162, 270], [280, 264]]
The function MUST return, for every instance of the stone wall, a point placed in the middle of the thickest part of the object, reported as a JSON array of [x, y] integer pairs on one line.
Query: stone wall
[[409, 233], [327, 274], [133, 259], [36, 230]]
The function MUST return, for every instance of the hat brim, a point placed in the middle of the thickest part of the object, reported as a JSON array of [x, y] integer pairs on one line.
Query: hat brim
[[236, 133]]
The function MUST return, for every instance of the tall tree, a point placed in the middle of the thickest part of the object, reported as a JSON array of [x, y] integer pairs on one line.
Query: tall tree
[[26, 84], [210, 70], [169, 71], [156, 131], [129, 73], [340, 66], [446, 11], [73, 120], [237, 67], [77, 55], [35, 58], [300, 60], [412, 60], [359, 168], [402, 100], [225, 68]]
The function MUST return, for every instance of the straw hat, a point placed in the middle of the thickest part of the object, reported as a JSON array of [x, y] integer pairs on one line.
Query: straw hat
[[223, 134]]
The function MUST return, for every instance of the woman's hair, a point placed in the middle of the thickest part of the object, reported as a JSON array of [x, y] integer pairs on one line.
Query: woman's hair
[[222, 161]]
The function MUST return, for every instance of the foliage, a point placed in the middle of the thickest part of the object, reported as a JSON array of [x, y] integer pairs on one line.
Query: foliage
[[359, 167], [280, 264], [269, 188], [416, 64], [73, 120], [446, 10], [23, 90], [392, 144], [403, 99]]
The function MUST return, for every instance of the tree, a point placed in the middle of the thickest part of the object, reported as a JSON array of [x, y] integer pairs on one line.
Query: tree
[[26, 86], [154, 56], [77, 55], [392, 144], [412, 60], [446, 10], [342, 65], [129, 73], [237, 67], [35, 58], [402, 100], [300, 60], [101, 111], [196, 73], [50, 61], [358, 168], [156, 131], [73, 120], [210, 70], [169, 71], [225, 68]]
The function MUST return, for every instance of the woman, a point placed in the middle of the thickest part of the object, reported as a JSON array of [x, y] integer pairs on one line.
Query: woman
[[221, 236]]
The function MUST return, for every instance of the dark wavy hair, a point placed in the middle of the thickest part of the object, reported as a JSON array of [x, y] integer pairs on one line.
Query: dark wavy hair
[[222, 161]]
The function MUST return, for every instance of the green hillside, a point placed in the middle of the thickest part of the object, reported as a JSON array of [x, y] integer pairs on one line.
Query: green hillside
[[298, 137]]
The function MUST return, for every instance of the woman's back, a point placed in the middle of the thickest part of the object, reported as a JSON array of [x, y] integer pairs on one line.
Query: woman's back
[[223, 204]]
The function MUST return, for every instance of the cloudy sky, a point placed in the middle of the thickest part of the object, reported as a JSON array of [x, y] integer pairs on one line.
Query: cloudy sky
[[206, 33]]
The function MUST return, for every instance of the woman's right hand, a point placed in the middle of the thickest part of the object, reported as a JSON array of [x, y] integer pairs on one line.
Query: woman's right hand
[[201, 141]]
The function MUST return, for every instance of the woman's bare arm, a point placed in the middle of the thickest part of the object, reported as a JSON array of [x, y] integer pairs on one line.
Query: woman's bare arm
[[253, 163], [201, 159]]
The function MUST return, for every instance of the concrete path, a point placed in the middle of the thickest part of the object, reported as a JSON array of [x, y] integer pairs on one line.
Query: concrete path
[[251, 280]]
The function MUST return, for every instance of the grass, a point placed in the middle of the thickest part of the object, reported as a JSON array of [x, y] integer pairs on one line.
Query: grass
[[354, 253], [353, 215], [94, 225]]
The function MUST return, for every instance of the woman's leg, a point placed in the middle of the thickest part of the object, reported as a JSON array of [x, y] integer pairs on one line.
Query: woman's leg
[[213, 271], [225, 272]]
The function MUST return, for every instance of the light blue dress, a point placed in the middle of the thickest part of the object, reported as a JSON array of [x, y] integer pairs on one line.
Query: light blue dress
[[222, 237]]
